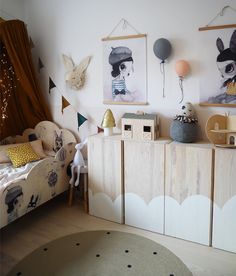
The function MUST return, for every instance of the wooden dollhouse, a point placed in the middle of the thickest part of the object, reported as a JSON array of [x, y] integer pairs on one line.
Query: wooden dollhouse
[[221, 130], [140, 126]]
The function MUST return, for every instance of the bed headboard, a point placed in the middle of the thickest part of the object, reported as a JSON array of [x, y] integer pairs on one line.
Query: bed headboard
[[51, 135]]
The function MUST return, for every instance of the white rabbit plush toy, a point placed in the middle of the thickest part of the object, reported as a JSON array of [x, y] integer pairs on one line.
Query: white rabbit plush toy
[[77, 164], [75, 75]]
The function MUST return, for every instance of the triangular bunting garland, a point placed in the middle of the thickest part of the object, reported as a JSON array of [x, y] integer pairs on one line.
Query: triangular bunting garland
[[81, 119], [31, 43], [40, 64], [51, 84], [100, 129], [64, 104]]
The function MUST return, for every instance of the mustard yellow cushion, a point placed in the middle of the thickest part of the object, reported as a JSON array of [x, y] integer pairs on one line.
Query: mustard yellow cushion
[[22, 154], [36, 145]]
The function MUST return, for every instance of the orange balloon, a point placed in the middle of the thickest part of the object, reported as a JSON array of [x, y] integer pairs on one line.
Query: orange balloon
[[182, 68]]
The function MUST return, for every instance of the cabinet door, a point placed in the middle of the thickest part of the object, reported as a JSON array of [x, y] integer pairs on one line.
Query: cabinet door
[[144, 185], [188, 190], [224, 211], [105, 177]]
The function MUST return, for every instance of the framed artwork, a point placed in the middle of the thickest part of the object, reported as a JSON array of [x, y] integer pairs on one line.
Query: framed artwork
[[124, 70], [218, 71]]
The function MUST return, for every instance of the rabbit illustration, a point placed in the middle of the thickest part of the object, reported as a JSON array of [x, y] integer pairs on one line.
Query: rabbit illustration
[[75, 75], [226, 63], [58, 142]]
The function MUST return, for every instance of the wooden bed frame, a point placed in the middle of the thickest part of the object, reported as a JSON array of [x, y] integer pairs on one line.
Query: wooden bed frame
[[46, 179]]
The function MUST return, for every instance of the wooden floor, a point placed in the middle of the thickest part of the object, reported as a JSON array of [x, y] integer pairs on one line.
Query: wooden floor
[[56, 219]]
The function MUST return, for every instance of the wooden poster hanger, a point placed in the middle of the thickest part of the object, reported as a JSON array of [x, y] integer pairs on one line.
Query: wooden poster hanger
[[123, 37], [221, 13], [124, 26]]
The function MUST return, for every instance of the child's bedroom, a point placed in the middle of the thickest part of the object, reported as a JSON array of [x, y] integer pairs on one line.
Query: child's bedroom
[[118, 138]]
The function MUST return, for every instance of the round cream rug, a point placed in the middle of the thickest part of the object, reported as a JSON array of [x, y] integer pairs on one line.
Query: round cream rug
[[101, 253]]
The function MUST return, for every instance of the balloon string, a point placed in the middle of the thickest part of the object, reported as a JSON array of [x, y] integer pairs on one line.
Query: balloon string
[[162, 69], [181, 88]]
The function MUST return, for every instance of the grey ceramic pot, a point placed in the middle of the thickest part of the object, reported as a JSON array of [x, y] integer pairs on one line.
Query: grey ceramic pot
[[183, 132]]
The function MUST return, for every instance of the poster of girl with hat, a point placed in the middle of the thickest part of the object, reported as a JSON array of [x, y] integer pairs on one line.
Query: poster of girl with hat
[[124, 70], [218, 74]]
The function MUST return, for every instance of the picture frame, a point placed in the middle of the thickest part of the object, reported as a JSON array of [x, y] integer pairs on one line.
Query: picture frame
[[124, 70], [219, 64]]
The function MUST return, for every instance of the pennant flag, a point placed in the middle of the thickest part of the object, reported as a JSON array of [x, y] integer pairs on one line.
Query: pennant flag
[[81, 119], [31, 43], [64, 104], [100, 129], [51, 85], [40, 64]]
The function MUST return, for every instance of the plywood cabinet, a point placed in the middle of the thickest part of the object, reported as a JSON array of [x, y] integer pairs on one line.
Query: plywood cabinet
[[188, 191], [224, 211], [105, 172], [144, 184]]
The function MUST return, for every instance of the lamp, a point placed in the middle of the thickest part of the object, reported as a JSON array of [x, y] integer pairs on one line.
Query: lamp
[[108, 122]]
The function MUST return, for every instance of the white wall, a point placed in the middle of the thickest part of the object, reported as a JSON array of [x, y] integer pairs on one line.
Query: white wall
[[12, 9], [75, 27]]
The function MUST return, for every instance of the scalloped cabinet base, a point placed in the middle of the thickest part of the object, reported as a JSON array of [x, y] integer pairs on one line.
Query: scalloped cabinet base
[[186, 191], [105, 174], [144, 172], [224, 211]]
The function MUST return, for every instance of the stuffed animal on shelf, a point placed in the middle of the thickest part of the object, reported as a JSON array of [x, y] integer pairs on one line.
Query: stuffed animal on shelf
[[75, 75], [184, 127], [77, 164], [187, 114]]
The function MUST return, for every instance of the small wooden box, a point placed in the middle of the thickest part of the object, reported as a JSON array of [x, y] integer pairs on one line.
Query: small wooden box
[[140, 126]]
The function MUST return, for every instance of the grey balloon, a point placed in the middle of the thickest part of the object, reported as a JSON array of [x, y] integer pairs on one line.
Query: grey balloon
[[162, 48]]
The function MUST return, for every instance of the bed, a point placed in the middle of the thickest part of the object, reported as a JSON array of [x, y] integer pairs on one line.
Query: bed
[[24, 188]]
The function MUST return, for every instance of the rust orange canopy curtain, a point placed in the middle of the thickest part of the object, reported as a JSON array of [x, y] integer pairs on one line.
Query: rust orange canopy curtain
[[21, 101]]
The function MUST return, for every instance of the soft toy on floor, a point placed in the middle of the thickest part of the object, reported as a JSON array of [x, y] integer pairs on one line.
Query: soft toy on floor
[[78, 162]]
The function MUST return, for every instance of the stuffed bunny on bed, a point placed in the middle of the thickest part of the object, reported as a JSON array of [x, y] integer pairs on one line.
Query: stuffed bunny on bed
[[75, 75]]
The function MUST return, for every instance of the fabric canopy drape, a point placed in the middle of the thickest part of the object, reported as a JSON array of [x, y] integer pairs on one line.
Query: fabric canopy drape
[[18, 84]]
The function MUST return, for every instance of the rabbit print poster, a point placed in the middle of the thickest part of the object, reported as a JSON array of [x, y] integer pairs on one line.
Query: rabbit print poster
[[218, 70], [124, 70]]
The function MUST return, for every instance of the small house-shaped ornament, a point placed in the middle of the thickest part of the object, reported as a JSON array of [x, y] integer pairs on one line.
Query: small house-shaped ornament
[[221, 130], [140, 126]]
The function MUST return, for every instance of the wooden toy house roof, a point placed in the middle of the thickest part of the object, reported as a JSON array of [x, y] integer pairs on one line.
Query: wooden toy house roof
[[139, 116]]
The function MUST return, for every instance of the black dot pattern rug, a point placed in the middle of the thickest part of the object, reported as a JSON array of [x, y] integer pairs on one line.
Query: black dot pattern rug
[[101, 253]]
